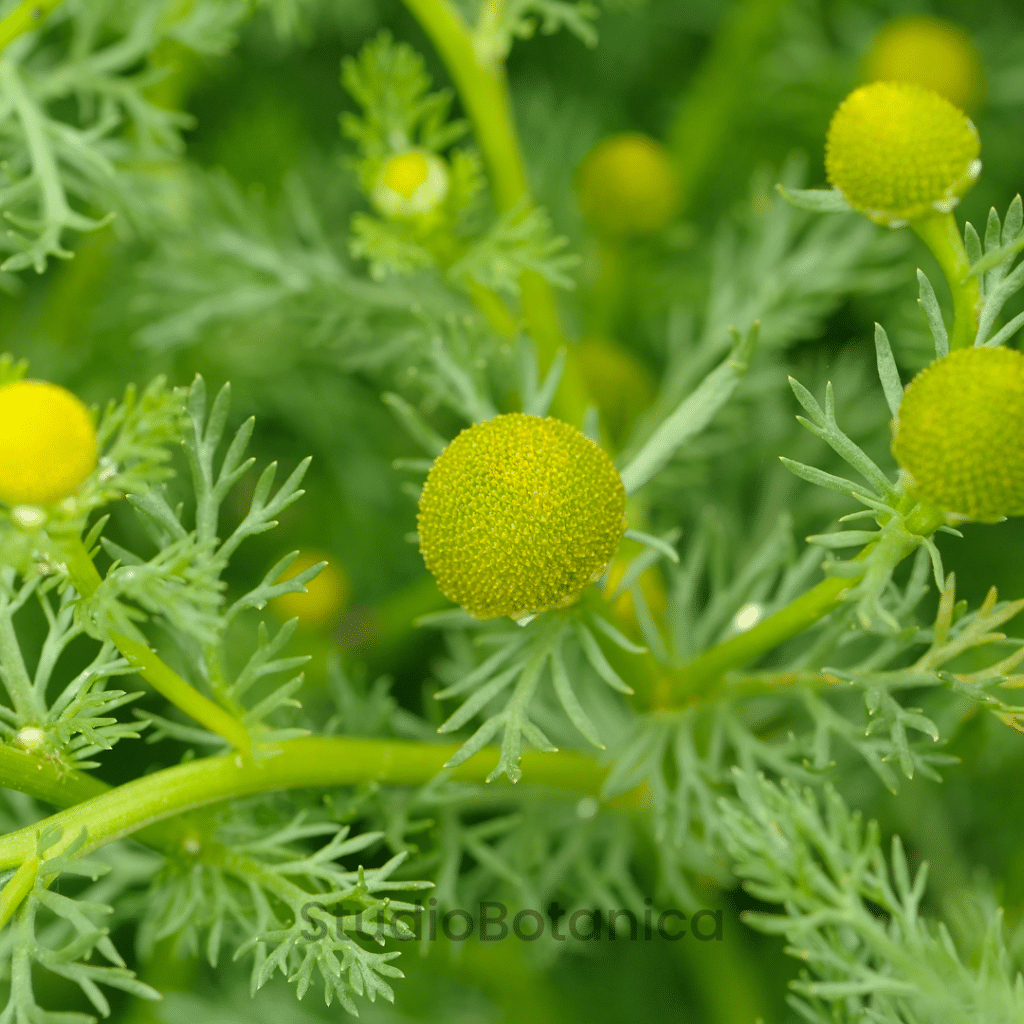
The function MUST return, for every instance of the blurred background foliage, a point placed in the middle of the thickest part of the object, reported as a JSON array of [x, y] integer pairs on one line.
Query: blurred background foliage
[[242, 272]]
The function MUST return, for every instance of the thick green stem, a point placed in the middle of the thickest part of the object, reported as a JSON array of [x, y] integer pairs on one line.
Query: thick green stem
[[311, 761], [484, 93], [942, 236], [742, 685], [85, 579], [45, 779], [29, 14], [483, 88]]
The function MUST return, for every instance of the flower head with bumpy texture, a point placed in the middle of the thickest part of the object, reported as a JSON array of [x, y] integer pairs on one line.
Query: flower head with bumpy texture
[[928, 52], [518, 514], [47, 443], [899, 152], [960, 434], [627, 186]]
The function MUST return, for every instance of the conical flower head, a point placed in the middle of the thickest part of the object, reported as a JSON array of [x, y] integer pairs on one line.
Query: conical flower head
[[47, 443], [518, 515], [960, 434], [899, 152]]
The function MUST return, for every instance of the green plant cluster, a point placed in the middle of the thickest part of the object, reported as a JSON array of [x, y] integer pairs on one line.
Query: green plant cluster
[[639, 373]]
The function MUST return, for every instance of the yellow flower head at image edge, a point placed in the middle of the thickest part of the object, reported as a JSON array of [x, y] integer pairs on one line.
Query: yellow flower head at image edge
[[519, 514], [960, 434], [47, 443], [899, 152]]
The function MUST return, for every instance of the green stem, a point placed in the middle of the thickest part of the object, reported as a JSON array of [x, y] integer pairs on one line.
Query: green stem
[[17, 888], [483, 88], [737, 686], [29, 14], [484, 93], [148, 664], [45, 779], [311, 761], [86, 580], [942, 236], [217, 678], [697, 678]]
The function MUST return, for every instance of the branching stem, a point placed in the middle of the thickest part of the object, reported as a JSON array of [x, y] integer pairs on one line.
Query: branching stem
[[17, 888], [696, 678]]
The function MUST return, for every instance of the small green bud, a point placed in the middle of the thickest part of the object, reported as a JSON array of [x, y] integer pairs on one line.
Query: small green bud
[[411, 184]]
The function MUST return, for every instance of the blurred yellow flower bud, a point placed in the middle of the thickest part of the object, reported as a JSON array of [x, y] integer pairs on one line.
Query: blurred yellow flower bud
[[411, 184], [928, 52], [618, 382], [518, 515], [326, 597], [901, 152], [47, 443], [960, 434], [627, 186]]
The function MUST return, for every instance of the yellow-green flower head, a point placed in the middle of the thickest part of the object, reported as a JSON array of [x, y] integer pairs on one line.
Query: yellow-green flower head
[[960, 434], [929, 52], [411, 184], [47, 443], [627, 186], [518, 514], [899, 152]]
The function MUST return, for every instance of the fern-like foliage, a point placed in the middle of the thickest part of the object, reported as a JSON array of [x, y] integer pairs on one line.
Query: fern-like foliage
[[497, 27], [267, 896], [826, 868], [76, 723], [181, 584], [390, 83], [52, 932], [67, 173]]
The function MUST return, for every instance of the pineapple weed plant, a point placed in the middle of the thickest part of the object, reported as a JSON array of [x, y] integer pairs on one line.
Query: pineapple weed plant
[[627, 621]]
